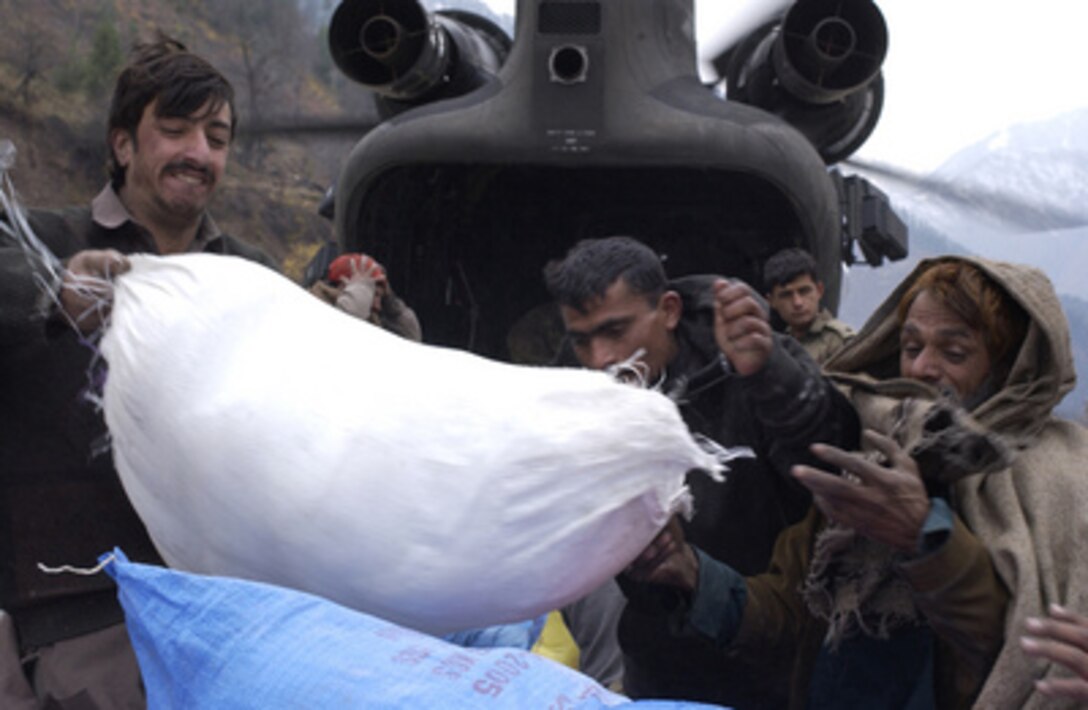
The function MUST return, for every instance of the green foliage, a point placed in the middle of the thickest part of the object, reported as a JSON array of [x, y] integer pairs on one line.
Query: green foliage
[[94, 72], [68, 77], [105, 59]]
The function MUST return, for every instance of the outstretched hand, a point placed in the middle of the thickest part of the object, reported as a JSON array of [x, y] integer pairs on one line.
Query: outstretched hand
[[1061, 637], [742, 326], [667, 560], [86, 292], [889, 504]]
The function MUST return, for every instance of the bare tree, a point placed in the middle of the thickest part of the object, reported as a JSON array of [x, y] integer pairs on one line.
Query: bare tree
[[31, 66], [31, 54], [274, 44]]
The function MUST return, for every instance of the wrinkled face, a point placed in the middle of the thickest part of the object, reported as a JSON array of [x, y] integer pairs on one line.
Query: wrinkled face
[[173, 164], [612, 328], [936, 346], [797, 302]]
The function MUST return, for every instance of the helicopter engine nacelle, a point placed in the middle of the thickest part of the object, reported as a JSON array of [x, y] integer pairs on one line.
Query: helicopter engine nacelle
[[818, 68], [408, 56]]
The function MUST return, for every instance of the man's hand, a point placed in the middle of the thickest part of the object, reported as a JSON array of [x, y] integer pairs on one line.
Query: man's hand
[[86, 292], [890, 504], [1062, 638], [667, 560], [742, 326]]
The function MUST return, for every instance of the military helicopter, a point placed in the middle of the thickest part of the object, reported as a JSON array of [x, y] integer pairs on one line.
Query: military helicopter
[[495, 154]]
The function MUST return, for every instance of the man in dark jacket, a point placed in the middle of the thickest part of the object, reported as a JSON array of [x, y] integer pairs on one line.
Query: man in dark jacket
[[707, 343], [62, 640]]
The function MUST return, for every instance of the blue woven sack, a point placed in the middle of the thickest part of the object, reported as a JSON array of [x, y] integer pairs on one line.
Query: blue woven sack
[[224, 644]]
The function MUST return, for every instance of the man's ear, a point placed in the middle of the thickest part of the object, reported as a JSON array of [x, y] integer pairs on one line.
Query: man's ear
[[123, 143], [819, 290], [673, 307]]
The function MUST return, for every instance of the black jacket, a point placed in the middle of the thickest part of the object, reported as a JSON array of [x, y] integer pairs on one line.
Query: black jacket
[[777, 412], [61, 501]]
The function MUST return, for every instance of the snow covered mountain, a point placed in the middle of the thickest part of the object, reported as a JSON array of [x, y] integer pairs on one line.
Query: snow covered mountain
[[1021, 195]]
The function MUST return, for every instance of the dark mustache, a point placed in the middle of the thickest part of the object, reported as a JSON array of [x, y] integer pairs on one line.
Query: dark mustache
[[188, 166]]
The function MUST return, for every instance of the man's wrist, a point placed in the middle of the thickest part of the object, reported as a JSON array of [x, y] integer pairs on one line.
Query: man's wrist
[[718, 601], [936, 528]]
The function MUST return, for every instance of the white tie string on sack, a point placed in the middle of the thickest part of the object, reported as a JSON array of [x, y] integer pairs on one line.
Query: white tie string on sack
[[49, 272], [15, 228], [260, 433], [81, 571]]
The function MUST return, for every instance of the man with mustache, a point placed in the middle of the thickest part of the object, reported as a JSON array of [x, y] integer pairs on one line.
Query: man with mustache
[[63, 642]]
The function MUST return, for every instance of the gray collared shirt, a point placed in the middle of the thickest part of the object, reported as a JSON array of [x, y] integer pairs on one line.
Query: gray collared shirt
[[108, 211]]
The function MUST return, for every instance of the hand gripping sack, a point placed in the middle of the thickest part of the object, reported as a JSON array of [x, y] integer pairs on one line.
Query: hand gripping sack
[[260, 433]]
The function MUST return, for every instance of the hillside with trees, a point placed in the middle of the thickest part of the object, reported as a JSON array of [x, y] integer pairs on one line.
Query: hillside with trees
[[58, 60]]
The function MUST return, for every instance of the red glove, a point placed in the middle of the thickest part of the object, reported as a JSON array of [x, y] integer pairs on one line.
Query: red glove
[[345, 266]]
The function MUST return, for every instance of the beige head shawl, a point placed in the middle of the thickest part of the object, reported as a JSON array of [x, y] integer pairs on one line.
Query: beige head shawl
[[1033, 515]]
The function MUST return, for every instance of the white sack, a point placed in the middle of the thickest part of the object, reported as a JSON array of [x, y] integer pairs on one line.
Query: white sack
[[262, 434]]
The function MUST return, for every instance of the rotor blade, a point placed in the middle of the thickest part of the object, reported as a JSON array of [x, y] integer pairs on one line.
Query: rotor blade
[[997, 204], [738, 20], [313, 126]]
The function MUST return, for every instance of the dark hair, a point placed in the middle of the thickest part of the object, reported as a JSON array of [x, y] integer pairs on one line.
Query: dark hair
[[787, 265], [167, 72], [593, 265], [979, 302]]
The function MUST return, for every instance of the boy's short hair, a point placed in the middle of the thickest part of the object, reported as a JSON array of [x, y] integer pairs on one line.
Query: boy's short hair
[[787, 265]]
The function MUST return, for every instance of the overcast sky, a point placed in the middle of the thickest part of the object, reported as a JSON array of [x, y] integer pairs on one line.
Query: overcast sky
[[956, 72]]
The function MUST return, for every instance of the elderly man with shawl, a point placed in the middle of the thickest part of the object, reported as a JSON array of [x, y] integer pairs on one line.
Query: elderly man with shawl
[[912, 579]]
